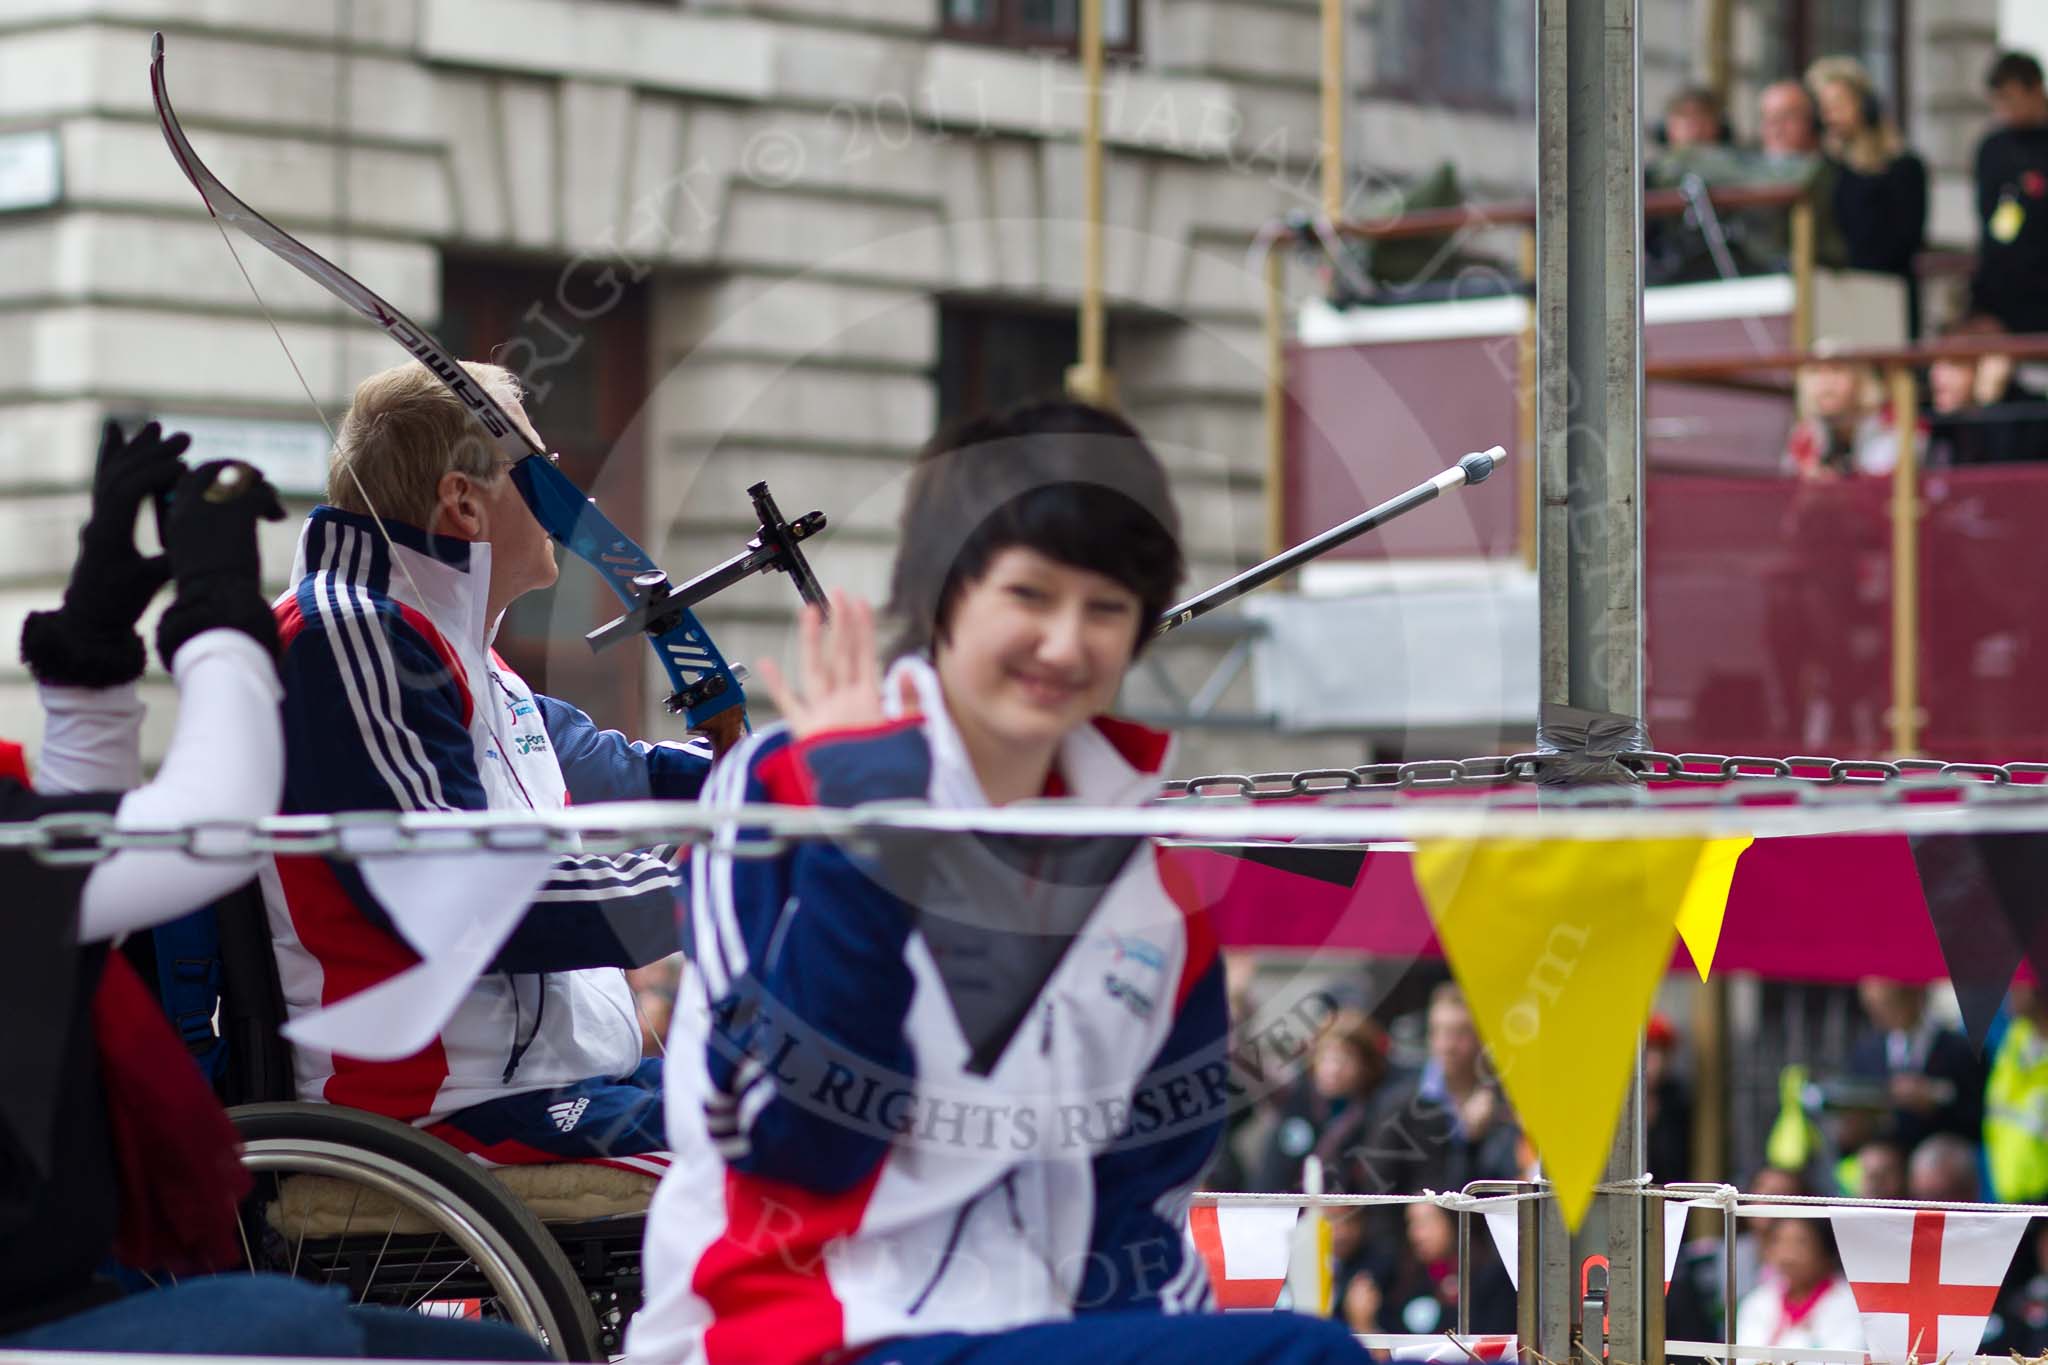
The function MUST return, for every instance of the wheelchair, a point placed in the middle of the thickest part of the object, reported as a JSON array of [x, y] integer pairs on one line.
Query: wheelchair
[[395, 1215]]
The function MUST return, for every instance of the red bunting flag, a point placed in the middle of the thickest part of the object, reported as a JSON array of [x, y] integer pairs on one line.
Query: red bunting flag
[[1246, 1248], [1925, 1281], [1460, 1352]]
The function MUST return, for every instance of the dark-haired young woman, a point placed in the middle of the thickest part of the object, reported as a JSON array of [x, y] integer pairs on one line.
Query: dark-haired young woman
[[945, 1100]]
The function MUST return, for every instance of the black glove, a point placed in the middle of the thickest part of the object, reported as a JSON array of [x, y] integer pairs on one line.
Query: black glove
[[91, 640], [210, 539]]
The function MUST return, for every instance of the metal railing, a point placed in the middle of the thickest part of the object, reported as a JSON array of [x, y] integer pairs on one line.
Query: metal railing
[[1484, 1195], [1900, 366], [1326, 231]]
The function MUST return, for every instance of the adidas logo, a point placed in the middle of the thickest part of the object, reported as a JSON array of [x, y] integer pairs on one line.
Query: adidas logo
[[567, 1112]]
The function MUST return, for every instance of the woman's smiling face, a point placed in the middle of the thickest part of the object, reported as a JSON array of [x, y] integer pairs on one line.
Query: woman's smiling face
[[1033, 649]]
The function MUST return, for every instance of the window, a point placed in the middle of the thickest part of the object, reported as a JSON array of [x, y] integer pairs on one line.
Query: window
[[1036, 23], [1473, 54], [1871, 31], [991, 357], [578, 340]]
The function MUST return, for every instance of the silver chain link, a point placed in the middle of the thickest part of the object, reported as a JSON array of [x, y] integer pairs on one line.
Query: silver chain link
[[84, 837], [1652, 766]]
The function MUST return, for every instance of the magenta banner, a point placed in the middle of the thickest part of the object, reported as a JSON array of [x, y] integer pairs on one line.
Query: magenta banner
[[1834, 908]]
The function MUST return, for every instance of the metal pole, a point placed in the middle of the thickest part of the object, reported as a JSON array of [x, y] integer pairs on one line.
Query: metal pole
[[1464, 1217], [1589, 527], [1721, 49], [1525, 418], [1089, 380], [1333, 109], [1905, 399], [1804, 246], [1275, 400]]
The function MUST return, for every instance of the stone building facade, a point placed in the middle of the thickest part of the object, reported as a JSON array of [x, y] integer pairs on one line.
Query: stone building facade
[[739, 232]]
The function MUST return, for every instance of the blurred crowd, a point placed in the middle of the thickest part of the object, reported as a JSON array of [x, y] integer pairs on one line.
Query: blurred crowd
[[1974, 410], [1832, 135], [1389, 1102]]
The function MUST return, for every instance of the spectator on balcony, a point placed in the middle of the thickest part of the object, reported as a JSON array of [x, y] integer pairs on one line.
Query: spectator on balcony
[[1694, 118], [1982, 414], [1959, 383], [2011, 281], [1788, 126], [1698, 152], [1880, 188], [1843, 427], [1787, 152]]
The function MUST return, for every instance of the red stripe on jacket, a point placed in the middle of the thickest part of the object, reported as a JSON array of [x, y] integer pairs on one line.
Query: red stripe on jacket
[[442, 651], [764, 1278], [1201, 932], [354, 955]]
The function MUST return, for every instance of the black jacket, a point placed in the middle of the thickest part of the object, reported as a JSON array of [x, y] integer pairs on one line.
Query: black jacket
[[57, 1224], [1413, 1143], [2011, 282], [1883, 215], [1949, 1058]]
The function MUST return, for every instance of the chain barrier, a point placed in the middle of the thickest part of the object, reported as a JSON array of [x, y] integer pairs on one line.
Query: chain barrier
[[1371, 802], [1652, 766]]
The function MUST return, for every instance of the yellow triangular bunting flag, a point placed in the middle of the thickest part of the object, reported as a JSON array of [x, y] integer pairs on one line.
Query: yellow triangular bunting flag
[[1559, 946], [1706, 900]]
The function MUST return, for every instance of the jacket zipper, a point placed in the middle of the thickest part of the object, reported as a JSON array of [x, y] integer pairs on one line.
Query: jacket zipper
[[946, 1256]]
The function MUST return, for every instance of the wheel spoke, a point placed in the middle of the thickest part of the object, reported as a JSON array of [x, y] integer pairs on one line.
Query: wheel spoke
[[242, 1231], [379, 1262], [490, 1262], [420, 1264], [298, 1248], [414, 1305], [346, 1223]]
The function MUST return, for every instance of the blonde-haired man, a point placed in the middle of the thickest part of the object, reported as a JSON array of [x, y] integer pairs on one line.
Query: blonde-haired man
[[394, 700]]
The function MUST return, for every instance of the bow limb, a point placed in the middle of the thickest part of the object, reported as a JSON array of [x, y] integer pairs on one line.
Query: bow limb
[[228, 208], [704, 685]]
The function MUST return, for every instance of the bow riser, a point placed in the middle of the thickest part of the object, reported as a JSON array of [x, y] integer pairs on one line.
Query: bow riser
[[703, 683]]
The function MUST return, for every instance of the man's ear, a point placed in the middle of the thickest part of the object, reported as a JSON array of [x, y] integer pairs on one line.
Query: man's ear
[[458, 509]]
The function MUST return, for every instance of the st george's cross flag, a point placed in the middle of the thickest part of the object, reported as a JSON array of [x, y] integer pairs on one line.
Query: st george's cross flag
[[1925, 1281], [1246, 1249]]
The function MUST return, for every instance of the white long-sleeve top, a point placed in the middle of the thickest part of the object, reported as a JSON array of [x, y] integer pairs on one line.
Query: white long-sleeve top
[[225, 762], [1832, 1322]]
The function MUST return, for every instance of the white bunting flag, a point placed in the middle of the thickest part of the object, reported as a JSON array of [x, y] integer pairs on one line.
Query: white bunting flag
[[1925, 1281], [455, 911], [1500, 1221], [1246, 1249]]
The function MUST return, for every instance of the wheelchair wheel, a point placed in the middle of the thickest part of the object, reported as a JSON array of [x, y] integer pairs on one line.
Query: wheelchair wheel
[[402, 1220]]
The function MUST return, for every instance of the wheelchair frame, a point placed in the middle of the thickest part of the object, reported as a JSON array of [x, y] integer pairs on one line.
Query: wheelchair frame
[[573, 1285]]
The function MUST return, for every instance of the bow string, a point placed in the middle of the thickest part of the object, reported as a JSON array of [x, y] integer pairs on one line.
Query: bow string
[[706, 690]]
